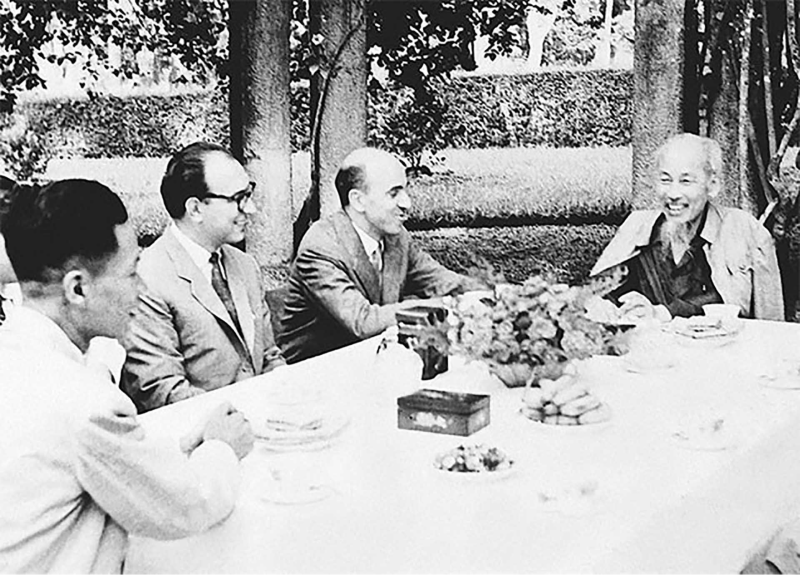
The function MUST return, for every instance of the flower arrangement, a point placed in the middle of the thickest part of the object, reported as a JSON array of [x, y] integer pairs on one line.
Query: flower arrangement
[[529, 331]]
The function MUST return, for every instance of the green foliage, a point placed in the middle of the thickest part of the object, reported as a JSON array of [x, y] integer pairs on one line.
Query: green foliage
[[408, 125], [557, 109], [22, 150], [417, 39], [560, 108]]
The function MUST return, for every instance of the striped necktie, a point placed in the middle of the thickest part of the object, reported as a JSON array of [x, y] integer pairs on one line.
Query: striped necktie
[[220, 285]]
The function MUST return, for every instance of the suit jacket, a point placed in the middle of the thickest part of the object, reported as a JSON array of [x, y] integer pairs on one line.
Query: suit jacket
[[78, 472], [739, 250], [182, 340], [335, 296]]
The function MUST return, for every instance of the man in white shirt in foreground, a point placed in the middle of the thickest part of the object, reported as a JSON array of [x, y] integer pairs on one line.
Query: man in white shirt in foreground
[[77, 471]]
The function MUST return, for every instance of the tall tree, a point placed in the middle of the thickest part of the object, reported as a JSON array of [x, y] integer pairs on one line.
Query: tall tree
[[260, 120]]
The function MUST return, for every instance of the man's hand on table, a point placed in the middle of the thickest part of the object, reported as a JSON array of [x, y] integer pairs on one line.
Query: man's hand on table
[[226, 424], [637, 308]]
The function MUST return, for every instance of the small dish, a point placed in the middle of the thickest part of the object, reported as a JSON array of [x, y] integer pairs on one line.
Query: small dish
[[316, 434], [582, 429], [784, 374], [281, 494], [474, 464], [569, 497], [705, 330], [713, 434]]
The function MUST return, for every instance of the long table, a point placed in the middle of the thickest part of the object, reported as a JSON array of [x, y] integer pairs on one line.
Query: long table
[[652, 504]]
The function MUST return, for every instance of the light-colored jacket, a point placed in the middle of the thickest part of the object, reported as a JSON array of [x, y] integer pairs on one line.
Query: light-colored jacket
[[739, 250], [78, 472], [182, 339]]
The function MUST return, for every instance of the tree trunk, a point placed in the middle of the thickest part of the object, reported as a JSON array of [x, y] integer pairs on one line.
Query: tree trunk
[[723, 123], [539, 26], [338, 92], [658, 81], [260, 121], [602, 57]]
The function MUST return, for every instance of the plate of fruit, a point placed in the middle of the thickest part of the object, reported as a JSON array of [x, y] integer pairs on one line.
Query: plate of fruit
[[474, 463], [565, 403]]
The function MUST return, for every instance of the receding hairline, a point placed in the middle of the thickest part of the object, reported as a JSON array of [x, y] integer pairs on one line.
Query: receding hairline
[[708, 147]]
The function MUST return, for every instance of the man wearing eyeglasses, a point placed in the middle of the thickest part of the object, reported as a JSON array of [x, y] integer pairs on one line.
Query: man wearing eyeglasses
[[202, 322]]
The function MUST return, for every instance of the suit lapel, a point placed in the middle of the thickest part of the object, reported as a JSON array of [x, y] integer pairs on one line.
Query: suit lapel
[[362, 268], [392, 267], [238, 289], [200, 287]]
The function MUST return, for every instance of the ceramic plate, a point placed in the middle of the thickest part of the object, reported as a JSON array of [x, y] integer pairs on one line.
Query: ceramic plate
[[640, 364], [448, 463], [569, 429], [296, 495], [477, 477], [783, 375], [313, 436], [693, 330], [713, 435], [569, 497]]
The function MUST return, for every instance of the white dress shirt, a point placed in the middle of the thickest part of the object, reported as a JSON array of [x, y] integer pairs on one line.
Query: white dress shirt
[[78, 473], [370, 245], [199, 255]]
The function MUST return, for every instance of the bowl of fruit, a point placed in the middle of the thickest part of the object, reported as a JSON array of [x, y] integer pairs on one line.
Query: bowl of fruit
[[474, 463]]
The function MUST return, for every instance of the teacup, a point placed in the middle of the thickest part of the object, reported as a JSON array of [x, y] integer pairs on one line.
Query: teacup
[[721, 311]]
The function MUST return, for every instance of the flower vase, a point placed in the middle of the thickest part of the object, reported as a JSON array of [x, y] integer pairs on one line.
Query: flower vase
[[517, 374]]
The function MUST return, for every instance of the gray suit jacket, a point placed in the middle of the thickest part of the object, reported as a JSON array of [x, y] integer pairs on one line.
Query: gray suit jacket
[[335, 296], [182, 340]]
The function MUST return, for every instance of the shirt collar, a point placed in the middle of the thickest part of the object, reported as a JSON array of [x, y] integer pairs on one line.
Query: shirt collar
[[31, 324], [370, 243], [199, 255]]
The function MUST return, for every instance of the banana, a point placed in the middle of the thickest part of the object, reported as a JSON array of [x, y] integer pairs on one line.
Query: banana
[[580, 406], [533, 397], [567, 420], [550, 408], [532, 413], [551, 419], [568, 394], [548, 387], [597, 415]]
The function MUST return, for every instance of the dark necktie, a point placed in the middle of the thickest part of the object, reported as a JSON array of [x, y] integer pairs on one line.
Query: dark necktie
[[376, 259], [220, 285], [2, 311]]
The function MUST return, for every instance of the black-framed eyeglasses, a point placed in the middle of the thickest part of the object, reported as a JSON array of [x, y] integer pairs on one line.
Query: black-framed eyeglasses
[[239, 198]]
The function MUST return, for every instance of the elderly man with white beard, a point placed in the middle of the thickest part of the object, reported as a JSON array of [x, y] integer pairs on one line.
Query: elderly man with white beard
[[691, 251]]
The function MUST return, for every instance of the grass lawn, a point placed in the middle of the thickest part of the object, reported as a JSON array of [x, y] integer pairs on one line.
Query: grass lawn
[[524, 186]]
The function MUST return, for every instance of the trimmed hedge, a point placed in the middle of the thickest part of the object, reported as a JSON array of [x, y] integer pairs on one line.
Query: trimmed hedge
[[567, 251], [562, 109], [557, 109]]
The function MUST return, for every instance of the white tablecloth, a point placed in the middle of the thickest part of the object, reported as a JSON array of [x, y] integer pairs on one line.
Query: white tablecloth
[[658, 506]]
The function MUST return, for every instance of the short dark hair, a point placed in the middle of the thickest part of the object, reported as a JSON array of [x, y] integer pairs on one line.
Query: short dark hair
[[185, 176], [348, 178], [49, 227]]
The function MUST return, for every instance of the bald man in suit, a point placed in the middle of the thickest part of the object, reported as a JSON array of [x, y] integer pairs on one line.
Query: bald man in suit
[[357, 267]]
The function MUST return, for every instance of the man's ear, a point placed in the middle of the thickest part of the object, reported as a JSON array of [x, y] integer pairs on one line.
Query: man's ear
[[192, 206], [714, 186], [356, 198], [75, 286]]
